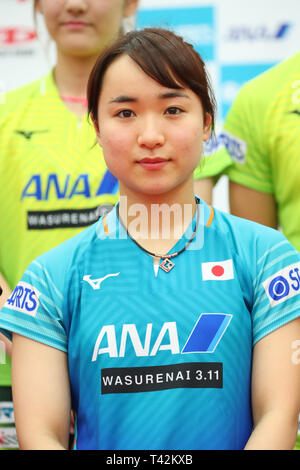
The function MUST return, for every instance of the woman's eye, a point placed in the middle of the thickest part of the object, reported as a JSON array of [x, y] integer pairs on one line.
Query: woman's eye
[[174, 110], [125, 113]]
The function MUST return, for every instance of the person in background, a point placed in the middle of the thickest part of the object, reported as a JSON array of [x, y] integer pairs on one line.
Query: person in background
[[181, 313], [53, 179], [259, 150]]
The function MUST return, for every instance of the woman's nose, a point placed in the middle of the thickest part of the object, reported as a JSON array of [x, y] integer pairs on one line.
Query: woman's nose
[[151, 134]]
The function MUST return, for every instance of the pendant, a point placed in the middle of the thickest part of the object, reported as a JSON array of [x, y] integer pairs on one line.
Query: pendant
[[167, 265]]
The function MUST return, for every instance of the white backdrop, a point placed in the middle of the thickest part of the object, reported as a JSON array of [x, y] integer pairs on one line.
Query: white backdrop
[[238, 39]]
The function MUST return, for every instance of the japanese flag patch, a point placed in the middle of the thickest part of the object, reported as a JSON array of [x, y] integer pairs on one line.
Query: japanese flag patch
[[217, 270]]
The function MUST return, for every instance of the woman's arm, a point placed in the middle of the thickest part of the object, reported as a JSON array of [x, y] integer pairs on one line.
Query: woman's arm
[[275, 390], [41, 395], [253, 205]]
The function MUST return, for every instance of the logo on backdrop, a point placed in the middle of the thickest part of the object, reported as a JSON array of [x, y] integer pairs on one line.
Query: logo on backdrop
[[195, 24], [233, 77], [11, 36], [259, 32]]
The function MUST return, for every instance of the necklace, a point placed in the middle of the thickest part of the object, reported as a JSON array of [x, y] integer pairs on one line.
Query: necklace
[[75, 99], [167, 264]]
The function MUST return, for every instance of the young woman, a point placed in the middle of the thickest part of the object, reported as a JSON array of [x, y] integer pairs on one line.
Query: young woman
[[53, 178], [165, 325]]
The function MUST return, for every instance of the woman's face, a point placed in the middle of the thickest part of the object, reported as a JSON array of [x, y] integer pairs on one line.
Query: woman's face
[[84, 27], [151, 135]]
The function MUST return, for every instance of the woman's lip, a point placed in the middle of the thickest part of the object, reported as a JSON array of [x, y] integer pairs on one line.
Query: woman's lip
[[153, 163], [75, 24]]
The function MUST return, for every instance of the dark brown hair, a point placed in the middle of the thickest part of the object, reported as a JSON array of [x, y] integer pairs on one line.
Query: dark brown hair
[[163, 56]]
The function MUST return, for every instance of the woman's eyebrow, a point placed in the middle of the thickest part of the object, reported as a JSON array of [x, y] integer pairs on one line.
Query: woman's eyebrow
[[133, 99], [173, 94], [123, 99]]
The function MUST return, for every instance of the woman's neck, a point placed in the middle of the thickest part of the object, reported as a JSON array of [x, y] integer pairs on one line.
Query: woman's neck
[[71, 77], [157, 222]]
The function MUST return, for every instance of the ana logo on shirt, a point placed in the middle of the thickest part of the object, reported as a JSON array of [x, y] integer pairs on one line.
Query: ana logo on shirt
[[41, 187], [204, 338]]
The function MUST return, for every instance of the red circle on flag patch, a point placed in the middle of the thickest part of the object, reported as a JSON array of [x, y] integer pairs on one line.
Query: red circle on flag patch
[[217, 270]]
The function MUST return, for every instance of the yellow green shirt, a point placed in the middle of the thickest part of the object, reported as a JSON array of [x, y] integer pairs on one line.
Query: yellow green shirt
[[53, 178], [262, 138]]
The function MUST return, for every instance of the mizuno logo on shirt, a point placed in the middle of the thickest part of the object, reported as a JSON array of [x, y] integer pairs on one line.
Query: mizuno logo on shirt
[[28, 134], [295, 111], [96, 283]]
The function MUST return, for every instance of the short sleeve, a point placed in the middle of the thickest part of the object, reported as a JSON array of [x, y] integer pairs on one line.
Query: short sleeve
[[276, 286], [213, 164], [35, 309], [245, 139]]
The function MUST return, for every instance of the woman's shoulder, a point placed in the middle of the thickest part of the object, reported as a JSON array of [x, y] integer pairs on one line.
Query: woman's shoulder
[[248, 237], [18, 98], [71, 250]]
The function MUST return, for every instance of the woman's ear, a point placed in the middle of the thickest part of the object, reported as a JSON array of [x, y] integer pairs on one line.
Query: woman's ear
[[130, 7], [96, 127], [207, 127]]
